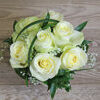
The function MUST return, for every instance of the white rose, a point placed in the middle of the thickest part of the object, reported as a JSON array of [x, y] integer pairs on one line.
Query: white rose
[[66, 35], [74, 58], [45, 41], [19, 53], [44, 66]]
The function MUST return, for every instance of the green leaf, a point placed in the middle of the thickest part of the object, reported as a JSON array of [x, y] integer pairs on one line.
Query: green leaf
[[49, 25], [67, 87], [48, 16], [86, 42], [61, 80], [30, 50], [87, 48], [33, 23], [46, 20], [22, 72], [85, 45], [61, 72], [81, 26], [26, 81], [14, 24], [8, 40], [53, 90]]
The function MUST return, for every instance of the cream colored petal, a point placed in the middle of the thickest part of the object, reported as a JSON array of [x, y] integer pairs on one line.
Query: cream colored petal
[[77, 38], [37, 75], [57, 67], [16, 64]]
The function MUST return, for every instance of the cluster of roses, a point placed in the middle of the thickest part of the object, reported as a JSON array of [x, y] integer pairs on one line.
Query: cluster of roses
[[45, 63]]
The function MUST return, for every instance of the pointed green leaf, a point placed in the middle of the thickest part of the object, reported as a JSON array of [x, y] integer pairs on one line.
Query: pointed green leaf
[[14, 24], [46, 21], [85, 48], [48, 16], [68, 87], [22, 72], [26, 81], [61, 72], [81, 26], [50, 25], [8, 40], [86, 42], [53, 90], [85, 45], [30, 50]]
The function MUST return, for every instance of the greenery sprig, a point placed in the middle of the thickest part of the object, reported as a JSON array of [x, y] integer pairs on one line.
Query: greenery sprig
[[81, 26], [8, 40], [61, 80], [85, 43], [46, 20]]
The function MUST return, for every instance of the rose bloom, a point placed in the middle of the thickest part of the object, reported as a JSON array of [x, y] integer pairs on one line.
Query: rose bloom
[[19, 53], [45, 41], [66, 35], [73, 58], [44, 66]]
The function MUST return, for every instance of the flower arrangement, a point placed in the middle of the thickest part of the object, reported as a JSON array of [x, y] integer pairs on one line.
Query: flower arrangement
[[48, 49]]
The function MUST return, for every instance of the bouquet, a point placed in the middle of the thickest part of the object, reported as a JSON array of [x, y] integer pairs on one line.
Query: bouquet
[[48, 50]]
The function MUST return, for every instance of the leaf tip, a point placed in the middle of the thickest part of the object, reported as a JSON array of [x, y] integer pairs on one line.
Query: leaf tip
[[86, 22], [53, 90]]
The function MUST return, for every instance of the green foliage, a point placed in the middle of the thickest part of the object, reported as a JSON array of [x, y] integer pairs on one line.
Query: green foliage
[[53, 88], [46, 23], [86, 42], [26, 80], [46, 20], [50, 25], [23, 73], [8, 40], [61, 80], [85, 45], [81, 26], [30, 50], [59, 54], [14, 24]]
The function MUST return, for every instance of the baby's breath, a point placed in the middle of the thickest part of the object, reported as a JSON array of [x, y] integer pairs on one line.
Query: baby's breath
[[92, 59], [55, 52], [34, 80], [3, 47]]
